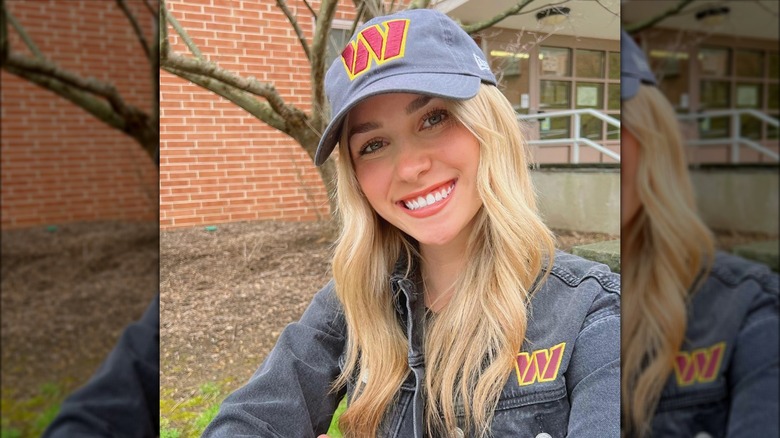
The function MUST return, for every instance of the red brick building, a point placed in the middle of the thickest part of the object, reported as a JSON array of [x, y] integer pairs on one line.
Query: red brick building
[[218, 162], [59, 163]]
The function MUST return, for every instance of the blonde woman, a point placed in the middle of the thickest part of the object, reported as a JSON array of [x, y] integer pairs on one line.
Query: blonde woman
[[449, 314], [700, 329]]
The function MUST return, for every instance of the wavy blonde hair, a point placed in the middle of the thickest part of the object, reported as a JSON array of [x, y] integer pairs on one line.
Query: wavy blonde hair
[[472, 343], [664, 249]]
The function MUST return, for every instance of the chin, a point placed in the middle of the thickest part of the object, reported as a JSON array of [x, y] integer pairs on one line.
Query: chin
[[437, 240]]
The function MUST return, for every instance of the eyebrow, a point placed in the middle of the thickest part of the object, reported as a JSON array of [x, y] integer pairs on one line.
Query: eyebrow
[[416, 104], [413, 106], [363, 127]]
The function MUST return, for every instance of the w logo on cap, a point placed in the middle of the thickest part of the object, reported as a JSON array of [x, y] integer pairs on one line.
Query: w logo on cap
[[380, 43]]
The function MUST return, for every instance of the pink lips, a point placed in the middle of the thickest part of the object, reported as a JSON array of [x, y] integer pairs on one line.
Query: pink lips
[[432, 207]]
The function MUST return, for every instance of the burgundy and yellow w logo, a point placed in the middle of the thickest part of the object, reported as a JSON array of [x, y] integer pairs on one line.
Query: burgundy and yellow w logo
[[378, 43], [539, 366], [700, 365]]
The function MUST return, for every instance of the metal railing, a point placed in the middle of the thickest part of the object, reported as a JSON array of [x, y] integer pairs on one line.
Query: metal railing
[[735, 139], [576, 139]]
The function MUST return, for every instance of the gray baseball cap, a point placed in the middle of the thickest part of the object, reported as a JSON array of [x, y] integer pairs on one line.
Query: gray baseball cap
[[633, 68], [418, 51]]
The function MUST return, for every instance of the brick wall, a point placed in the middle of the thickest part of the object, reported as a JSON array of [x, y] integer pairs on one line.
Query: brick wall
[[218, 163], [59, 163]]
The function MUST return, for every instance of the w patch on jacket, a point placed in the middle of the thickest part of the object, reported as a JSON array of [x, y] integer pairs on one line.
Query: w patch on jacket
[[539, 365], [700, 365]]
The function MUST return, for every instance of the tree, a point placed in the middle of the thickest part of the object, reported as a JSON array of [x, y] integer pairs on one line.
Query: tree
[[99, 98]]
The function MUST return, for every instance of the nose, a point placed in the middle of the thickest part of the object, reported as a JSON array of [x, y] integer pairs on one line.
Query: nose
[[412, 161]]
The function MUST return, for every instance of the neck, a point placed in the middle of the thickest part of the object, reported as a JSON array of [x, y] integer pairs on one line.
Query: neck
[[441, 266]]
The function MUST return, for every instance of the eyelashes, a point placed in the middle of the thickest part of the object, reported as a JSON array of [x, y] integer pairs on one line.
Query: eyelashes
[[435, 117], [431, 120]]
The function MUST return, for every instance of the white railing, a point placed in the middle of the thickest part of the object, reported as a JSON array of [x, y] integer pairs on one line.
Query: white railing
[[735, 139], [576, 139]]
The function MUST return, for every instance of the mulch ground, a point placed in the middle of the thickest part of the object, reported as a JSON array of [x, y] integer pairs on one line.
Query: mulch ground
[[67, 294]]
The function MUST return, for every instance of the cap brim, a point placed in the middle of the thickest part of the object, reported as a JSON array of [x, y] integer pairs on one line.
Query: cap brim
[[448, 86]]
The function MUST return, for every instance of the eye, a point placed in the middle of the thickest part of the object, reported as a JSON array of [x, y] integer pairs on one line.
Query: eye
[[371, 146], [434, 118]]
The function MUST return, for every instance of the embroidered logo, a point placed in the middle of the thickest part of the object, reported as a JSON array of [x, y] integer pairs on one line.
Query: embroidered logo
[[700, 365], [540, 365], [380, 43], [481, 63]]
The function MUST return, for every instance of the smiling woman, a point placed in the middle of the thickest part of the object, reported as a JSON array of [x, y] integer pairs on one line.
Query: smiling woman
[[449, 313]]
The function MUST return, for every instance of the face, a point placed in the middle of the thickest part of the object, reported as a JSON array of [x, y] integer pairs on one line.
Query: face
[[417, 166], [629, 162]]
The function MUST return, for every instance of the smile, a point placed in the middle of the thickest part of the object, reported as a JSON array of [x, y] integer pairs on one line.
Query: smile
[[433, 197]]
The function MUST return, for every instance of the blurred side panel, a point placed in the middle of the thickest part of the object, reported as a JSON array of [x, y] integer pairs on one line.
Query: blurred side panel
[[79, 197]]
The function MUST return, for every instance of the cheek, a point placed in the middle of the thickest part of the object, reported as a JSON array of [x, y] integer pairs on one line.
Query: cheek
[[374, 182]]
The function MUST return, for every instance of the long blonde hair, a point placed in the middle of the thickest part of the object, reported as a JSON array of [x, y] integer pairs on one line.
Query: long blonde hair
[[471, 344], [665, 248]]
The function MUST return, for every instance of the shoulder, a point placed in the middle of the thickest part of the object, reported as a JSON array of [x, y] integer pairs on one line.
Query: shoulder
[[578, 296], [579, 289], [572, 271], [325, 312], [731, 272]]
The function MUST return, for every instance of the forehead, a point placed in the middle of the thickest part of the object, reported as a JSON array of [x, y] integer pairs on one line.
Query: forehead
[[388, 104]]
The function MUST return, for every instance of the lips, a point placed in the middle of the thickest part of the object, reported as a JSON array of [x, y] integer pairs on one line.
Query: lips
[[432, 197]]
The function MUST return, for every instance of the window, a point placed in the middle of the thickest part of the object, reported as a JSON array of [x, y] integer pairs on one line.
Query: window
[[595, 84]]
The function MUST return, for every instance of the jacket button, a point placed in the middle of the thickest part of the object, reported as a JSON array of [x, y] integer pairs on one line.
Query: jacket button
[[702, 435], [544, 435]]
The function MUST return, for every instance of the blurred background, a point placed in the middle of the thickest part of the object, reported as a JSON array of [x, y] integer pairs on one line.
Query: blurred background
[[80, 238], [717, 64]]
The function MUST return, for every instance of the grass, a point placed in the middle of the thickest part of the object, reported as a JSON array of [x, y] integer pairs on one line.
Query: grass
[[31, 416], [333, 431], [191, 416]]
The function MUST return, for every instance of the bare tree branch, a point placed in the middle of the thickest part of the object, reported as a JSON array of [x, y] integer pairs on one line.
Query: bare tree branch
[[245, 100], [136, 28], [358, 16], [162, 25], [22, 33], [637, 27], [150, 8], [319, 52], [419, 4], [96, 106], [3, 33], [514, 10], [180, 30], [616, 14], [251, 85], [89, 85], [291, 18], [308, 6]]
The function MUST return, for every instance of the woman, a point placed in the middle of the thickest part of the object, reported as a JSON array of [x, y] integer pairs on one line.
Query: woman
[[450, 314], [700, 329]]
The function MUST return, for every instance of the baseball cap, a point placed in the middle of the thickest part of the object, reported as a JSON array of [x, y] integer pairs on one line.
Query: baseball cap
[[633, 68], [419, 51]]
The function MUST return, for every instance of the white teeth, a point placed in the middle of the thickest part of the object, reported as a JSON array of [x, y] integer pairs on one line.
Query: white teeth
[[429, 199]]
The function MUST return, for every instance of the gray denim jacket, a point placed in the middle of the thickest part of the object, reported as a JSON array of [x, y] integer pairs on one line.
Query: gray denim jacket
[[725, 379], [566, 383]]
